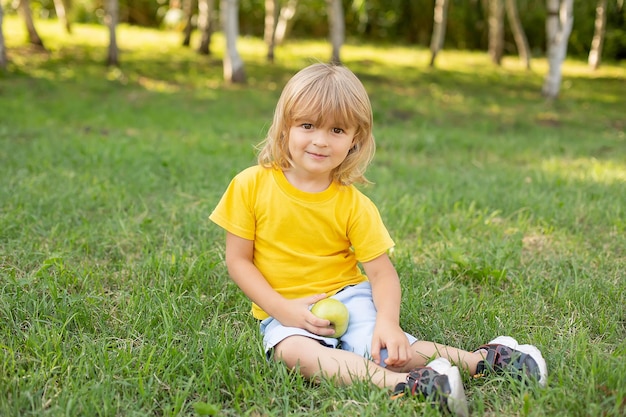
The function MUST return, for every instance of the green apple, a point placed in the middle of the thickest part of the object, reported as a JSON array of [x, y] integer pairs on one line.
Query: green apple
[[335, 312]]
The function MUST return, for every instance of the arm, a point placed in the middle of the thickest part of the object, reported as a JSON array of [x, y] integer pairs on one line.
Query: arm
[[293, 313], [386, 293]]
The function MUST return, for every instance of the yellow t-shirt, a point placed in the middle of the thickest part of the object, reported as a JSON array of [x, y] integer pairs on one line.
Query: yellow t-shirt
[[304, 243]]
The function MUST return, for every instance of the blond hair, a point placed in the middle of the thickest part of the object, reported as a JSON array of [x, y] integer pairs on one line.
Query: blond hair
[[322, 93]]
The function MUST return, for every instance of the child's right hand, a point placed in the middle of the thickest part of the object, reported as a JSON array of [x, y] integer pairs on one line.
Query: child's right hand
[[296, 313]]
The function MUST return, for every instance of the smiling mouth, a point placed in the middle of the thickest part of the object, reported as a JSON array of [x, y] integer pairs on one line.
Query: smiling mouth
[[317, 155]]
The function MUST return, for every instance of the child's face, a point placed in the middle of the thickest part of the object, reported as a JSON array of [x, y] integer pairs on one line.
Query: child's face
[[318, 149]]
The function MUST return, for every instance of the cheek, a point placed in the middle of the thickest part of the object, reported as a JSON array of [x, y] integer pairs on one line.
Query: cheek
[[352, 146], [291, 147]]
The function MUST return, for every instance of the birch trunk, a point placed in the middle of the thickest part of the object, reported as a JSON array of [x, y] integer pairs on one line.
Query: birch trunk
[[206, 9], [3, 52], [337, 25], [558, 28], [285, 19], [269, 34], [110, 19], [595, 54], [33, 36], [188, 9], [518, 32], [496, 31], [439, 29], [61, 11], [233, 65]]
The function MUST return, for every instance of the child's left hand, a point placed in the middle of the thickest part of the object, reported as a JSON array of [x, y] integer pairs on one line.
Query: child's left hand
[[391, 337]]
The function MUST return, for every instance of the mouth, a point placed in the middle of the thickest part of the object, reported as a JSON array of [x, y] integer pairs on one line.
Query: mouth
[[316, 155]]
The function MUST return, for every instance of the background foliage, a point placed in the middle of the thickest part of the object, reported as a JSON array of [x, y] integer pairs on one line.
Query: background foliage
[[406, 22]]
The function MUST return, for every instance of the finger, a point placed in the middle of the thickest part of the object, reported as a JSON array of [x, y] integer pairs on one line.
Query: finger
[[312, 318], [402, 357], [323, 329], [405, 355], [399, 359], [316, 321], [392, 355], [315, 298], [376, 351], [326, 331]]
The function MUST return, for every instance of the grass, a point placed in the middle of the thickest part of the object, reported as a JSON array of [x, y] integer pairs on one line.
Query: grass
[[508, 213]]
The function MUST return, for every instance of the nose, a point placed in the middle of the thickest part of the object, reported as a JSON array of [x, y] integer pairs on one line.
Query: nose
[[320, 139]]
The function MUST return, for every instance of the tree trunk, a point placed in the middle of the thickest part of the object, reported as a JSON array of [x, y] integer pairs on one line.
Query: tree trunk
[[558, 28], [496, 31], [439, 29], [3, 52], [337, 25], [518, 32], [110, 19], [188, 9], [61, 11], [206, 9], [285, 19], [595, 54], [33, 36], [269, 35], [233, 65]]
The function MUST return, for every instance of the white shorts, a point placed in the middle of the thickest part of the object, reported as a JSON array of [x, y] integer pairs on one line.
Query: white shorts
[[358, 337]]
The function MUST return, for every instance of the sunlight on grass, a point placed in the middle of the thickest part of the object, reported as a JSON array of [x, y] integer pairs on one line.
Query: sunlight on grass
[[507, 212], [157, 85], [586, 169]]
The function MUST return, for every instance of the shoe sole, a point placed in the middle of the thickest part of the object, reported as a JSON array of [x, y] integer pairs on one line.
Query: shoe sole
[[530, 350]]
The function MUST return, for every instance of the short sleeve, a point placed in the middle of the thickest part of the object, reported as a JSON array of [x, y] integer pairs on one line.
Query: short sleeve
[[367, 232], [234, 211]]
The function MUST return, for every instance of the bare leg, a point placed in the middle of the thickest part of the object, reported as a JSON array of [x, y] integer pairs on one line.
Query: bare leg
[[315, 360], [424, 352]]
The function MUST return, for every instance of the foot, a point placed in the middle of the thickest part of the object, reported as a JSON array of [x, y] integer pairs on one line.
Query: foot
[[504, 354], [439, 382]]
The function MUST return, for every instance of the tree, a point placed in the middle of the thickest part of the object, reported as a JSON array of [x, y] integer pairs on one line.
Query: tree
[[233, 65], [496, 31], [3, 52], [285, 18], [439, 29], [269, 34], [518, 31], [33, 36], [206, 9], [61, 11], [598, 35], [110, 19], [337, 25], [188, 8], [558, 28]]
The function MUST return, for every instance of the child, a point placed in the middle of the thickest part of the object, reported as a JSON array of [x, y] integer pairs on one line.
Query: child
[[297, 231]]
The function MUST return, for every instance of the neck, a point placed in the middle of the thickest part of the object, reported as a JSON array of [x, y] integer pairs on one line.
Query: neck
[[309, 185]]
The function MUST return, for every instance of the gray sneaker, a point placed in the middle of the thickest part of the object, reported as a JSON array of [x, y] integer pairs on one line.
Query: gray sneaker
[[439, 382], [505, 355]]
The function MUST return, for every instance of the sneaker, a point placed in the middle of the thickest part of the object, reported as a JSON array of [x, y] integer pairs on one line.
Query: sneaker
[[504, 354], [437, 381]]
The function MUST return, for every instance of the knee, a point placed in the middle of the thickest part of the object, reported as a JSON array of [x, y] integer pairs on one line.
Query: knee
[[290, 350]]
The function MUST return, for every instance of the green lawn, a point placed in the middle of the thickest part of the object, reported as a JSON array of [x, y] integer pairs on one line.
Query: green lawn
[[509, 215]]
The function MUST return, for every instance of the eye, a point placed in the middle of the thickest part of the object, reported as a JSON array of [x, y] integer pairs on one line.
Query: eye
[[307, 126], [337, 130]]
